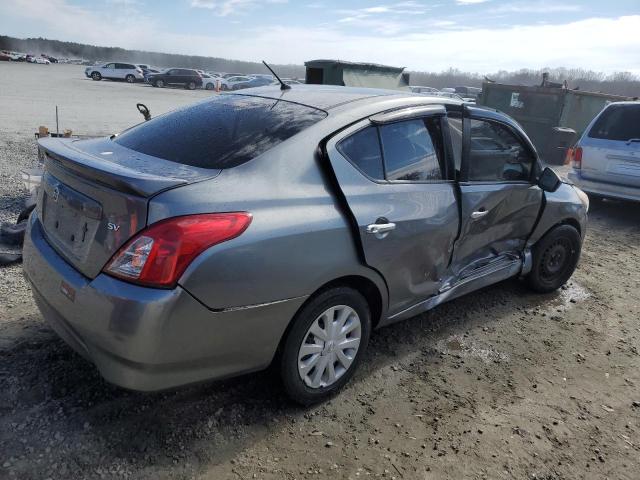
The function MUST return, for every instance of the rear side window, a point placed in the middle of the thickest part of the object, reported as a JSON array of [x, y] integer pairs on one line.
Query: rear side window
[[363, 150], [411, 150], [618, 122], [222, 132]]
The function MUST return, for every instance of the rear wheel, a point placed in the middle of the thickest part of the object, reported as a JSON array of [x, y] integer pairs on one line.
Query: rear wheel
[[555, 258], [96, 76], [325, 345], [209, 86], [130, 78], [191, 85]]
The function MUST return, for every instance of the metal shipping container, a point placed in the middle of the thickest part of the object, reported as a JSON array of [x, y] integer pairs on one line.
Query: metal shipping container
[[540, 110]]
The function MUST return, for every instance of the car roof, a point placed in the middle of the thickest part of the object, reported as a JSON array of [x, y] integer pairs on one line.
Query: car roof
[[326, 97]]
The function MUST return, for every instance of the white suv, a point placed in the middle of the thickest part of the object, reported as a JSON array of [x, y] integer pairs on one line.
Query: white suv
[[606, 159], [115, 71]]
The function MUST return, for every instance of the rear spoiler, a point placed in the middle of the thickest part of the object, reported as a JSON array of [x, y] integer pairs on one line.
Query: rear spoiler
[[60, 153]]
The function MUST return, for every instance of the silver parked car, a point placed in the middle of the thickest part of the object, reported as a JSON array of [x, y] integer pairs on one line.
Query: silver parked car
[[115, 71], [606, 159], [282, 226]]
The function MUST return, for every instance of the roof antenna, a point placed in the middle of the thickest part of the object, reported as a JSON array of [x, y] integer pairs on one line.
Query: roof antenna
[[283, 86]]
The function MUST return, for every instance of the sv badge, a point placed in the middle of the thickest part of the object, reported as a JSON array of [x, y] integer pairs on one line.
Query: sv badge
[[113, 226]]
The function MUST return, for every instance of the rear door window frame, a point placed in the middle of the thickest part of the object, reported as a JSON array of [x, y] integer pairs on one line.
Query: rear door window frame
[[445, 151]]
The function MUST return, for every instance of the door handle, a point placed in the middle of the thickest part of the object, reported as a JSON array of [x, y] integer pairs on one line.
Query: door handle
[[479, 214], [380, 230]]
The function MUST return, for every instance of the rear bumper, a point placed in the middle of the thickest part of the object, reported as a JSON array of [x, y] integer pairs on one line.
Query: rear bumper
[[604, 189], [149, 339]]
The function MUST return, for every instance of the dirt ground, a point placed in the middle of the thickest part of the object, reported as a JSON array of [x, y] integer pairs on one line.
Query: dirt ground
[[502, 383]]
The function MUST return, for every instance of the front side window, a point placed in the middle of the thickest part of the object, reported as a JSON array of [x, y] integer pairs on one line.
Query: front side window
[[363, 150], [496, 154], [412, 150], [110, 65]]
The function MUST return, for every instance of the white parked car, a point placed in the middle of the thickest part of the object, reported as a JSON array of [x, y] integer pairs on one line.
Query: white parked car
[[115, 71], [209, 81], [606, 160], [41, 60], [421, 89], [229, 83]]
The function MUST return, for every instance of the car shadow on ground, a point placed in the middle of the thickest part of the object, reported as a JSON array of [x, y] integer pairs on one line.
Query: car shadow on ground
[[614, 213], [51, 388]]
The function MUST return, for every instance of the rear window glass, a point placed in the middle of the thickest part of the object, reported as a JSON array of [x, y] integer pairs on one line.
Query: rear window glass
[[363, 149], [222, 132], [618, 122]]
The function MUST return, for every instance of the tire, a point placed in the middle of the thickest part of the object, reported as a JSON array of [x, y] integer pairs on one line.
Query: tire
[[96, 76], [348, 304], [24, 214], [555, 258], [209, 86], [9, 258], [130, 79], [224, 87], [159, 83], [190, 85], [13, 234]]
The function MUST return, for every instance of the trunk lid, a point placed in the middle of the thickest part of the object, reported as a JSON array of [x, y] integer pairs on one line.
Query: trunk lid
[[95, 194]]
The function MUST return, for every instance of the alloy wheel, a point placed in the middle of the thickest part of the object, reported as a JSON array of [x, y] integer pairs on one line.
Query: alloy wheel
[[329, 346]]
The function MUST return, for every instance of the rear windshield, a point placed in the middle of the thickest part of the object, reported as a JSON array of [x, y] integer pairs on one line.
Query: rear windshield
[[618, 122], [223, 132]]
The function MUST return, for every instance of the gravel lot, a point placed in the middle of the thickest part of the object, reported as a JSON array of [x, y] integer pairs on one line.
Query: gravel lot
[[500, 384]]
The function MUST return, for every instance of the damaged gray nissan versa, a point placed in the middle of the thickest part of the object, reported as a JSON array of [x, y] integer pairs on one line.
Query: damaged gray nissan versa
[[280, 227]]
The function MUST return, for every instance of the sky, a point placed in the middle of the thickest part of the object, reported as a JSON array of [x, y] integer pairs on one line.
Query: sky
[[429, 35]]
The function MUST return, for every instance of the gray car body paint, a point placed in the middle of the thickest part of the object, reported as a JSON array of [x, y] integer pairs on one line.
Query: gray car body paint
[[235, 301]]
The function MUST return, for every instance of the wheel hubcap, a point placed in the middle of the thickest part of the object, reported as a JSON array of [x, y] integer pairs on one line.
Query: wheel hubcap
[[329, 347]]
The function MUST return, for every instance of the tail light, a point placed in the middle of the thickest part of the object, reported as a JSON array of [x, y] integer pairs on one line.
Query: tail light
[[158, 255], [576, 161]]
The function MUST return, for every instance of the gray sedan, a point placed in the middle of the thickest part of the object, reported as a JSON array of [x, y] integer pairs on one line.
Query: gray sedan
[[281, 227]]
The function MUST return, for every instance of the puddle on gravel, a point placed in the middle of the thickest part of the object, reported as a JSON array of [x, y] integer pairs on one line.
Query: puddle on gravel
[[465, 347], [571, 294]]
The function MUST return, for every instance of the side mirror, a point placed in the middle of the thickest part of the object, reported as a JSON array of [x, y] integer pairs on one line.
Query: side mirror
[[549, 180]]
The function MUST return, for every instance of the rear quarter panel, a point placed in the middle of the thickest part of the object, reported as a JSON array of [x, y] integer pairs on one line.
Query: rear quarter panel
[[299, 238]]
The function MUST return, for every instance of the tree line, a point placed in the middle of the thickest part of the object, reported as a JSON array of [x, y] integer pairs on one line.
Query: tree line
[[618, 83]]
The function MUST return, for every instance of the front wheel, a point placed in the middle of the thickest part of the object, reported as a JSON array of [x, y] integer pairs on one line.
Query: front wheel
[[555, 258], [96, 76], [130, 78], [325, 344], [191, 85], [158, 83]]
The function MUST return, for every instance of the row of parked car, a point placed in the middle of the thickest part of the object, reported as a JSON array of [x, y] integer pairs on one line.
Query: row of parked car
[[9, 56], [186, 77]]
